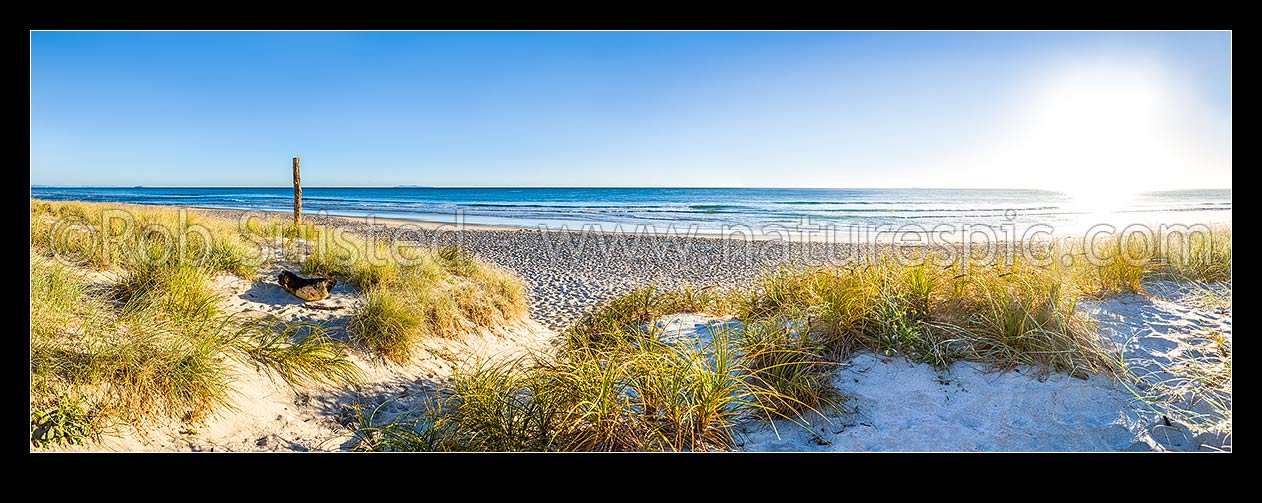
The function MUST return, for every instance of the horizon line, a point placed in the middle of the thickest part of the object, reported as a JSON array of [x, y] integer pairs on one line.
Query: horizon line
[[414, 186]]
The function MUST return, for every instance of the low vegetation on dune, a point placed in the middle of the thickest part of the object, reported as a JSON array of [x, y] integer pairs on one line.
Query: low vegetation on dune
[[1119, 263], [618, 385], [108, 236], [410, 294], [148, 340], [1002, 316], [634, 392], [158, 350]]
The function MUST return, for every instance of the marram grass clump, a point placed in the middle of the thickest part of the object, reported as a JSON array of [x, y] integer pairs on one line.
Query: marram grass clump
[[637, 395], [302, 354], [616, 387], [136, 363], [1003, 315], [607, 321], [1120, 263], [143, 361], [104, 236], [411, 294]]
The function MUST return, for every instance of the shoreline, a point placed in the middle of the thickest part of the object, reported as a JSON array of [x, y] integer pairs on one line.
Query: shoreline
[[893, 235], [905, 236]]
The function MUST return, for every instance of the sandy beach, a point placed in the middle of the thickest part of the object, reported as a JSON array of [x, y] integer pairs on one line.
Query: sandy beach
[[892, 404]]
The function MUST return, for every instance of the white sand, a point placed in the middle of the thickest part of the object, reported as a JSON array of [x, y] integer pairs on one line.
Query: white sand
[[689, 327], [903, 406]]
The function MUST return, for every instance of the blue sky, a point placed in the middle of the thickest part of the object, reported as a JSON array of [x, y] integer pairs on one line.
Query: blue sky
[[809, 109]]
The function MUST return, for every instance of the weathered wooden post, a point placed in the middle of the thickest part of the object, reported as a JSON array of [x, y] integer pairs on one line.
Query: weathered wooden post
[[297, 197]]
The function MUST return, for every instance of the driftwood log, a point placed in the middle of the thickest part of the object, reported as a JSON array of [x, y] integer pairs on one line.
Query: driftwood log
[[308, 289]]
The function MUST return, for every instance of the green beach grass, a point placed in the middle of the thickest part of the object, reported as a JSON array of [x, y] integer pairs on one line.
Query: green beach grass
[[152, 342]]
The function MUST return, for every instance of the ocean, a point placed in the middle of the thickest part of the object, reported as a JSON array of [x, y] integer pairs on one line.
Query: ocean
[[702, 210]]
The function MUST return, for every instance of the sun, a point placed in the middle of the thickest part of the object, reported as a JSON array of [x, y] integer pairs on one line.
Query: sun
[[1100, 133]]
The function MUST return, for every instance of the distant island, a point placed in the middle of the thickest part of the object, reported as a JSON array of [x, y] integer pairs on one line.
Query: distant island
[[413, 186]]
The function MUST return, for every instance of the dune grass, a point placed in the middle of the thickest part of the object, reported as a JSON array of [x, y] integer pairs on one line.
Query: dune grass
[[624, 313], [277, 227], [134, 363], [1119, 263], [153, 343], [144, 360], [791, 363], [413, 294], [1212, 295], [1019, 309], [638, 395], [302, 354], [104, 236], [1201, 257], [409, 293], [1004, 315], [616, 387], [1204, 380], [181, 291], [1001, 315]]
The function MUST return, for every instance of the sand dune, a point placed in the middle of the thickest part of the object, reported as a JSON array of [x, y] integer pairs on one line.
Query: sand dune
[[895, 405], [904, 406], [269, 415]]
